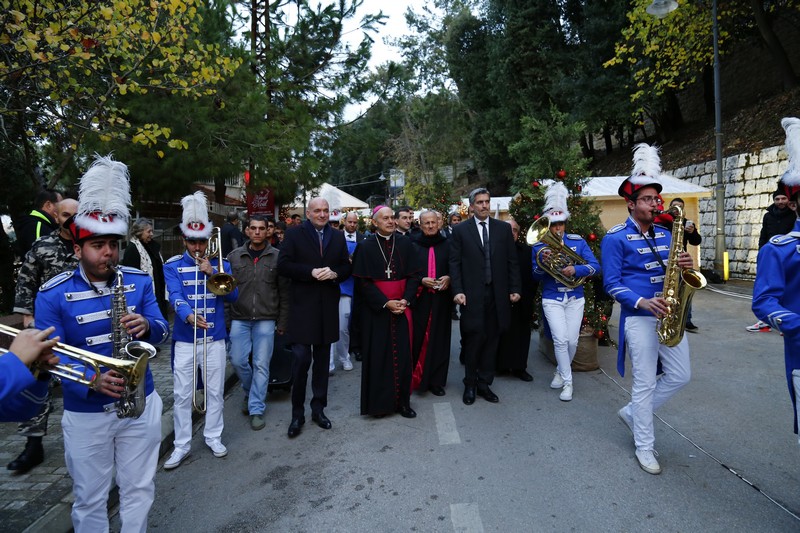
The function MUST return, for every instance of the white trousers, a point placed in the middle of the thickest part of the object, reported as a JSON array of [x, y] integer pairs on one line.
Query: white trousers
[[564, 319], [184, 388], [96, 443], [649, 392], [340, 350]]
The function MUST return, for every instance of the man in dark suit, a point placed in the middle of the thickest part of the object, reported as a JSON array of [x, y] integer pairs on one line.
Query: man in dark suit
[[350, 223], [485, 279], [314, 256]]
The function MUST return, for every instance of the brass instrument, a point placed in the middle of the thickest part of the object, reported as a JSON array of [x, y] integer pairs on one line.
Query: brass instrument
[[560, 257], [221, 283], [679, 286], [133, 370], [198, 403], [131, 403]]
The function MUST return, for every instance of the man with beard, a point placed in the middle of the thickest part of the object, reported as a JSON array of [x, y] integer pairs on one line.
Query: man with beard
[[49, 256], [431, 339], [386, 283]]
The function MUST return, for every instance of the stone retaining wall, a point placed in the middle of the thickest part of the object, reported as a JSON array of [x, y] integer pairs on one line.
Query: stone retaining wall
[[749, 181]]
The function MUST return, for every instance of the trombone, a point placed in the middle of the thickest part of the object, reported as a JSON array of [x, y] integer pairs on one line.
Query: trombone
[[132, 370], [220, 284]]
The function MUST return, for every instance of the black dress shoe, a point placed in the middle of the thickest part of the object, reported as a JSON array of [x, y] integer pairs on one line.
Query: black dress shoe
[[436, 390], [407, 412], [32, 455], [690, 327], [321, 420], [295, 426], [469, 395], [522, 374], [488, 395], [357, 355]]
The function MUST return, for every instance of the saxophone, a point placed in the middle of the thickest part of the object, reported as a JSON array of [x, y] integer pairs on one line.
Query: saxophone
[[132, 400], [679, 287]]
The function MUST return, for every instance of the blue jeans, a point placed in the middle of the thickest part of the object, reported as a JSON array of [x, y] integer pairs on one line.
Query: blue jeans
[[257, 336]]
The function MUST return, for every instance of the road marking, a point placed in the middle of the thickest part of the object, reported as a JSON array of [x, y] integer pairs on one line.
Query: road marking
[[466, 518], [446, 424]]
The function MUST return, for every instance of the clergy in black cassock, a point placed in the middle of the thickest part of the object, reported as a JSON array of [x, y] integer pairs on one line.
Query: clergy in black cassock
[[432, 310], [512, 351], [386, 284]]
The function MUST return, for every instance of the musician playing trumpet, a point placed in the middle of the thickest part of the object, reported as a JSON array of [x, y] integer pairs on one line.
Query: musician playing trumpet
[[79, 305], [21, 393], [199, 332], [562, 287]]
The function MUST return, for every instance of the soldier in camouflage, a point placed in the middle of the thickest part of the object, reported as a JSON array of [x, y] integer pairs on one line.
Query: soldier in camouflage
[[49, 256]]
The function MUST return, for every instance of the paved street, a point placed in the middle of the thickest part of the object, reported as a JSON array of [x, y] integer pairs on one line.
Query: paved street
[[529, 463]]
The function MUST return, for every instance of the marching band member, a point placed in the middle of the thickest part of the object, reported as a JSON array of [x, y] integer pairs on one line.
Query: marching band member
[[199, 314], [777, 282], [562, 305], [21, 393], [635, 255], [78, 304]]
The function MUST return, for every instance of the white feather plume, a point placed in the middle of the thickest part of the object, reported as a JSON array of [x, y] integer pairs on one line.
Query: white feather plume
[[555, 199], [195, 210], [646, 165], [105, 190], [792, 127]]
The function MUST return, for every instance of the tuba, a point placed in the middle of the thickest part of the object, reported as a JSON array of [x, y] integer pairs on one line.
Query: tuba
[[131, 403], [560, 257], [679, 287]]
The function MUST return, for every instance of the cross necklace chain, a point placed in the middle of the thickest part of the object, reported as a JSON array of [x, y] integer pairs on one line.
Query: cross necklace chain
[[387, 261]]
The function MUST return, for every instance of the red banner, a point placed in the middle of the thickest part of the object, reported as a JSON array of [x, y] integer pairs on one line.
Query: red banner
[[261, 202]]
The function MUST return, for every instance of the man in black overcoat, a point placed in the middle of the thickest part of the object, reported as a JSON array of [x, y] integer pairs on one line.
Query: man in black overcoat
[[314, 256], [484, 274]]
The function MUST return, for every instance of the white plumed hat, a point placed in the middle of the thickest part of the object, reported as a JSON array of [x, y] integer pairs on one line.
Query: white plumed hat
[[104, 198], [646, 171], [555, 203], [195, 223], [789, 183]]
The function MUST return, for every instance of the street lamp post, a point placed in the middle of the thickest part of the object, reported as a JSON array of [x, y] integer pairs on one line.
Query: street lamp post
[[660, 9]]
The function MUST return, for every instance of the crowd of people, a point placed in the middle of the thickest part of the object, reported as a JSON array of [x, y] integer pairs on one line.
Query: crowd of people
[[334, 295]]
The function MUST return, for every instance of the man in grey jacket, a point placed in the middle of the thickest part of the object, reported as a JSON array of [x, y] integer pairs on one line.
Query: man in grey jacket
[[261, 310]]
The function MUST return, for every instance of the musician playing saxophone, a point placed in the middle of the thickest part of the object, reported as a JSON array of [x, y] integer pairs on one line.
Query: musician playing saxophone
[[635, 256], [562, 304], [78, 304]]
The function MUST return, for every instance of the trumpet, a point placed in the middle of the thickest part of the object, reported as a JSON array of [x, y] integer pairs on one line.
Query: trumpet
[[560, 257], [132, 370]]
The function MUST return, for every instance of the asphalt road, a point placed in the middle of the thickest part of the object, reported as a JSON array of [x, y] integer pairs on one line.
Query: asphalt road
[[529, 463]]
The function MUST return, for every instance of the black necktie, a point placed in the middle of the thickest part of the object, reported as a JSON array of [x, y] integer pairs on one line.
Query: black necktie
[[487, 262], [320, 241]]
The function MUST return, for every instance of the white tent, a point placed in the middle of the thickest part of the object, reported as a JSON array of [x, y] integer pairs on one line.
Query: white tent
[[338, 200]]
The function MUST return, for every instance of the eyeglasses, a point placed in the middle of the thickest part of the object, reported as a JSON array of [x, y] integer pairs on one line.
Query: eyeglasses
[[648, 199]]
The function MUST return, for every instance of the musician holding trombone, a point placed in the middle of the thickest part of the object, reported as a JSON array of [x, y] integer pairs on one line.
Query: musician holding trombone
[[193, 282], [561, 262], [111, 422]]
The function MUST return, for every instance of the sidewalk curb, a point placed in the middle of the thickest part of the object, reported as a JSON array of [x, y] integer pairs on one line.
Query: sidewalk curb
[[58, 518]]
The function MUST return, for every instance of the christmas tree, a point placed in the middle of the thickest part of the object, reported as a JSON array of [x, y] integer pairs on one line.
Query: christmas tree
[[548, 153]]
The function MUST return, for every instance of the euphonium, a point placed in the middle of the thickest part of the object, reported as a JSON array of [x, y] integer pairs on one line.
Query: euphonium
[[679, 286], [131, 403], [560, 257]]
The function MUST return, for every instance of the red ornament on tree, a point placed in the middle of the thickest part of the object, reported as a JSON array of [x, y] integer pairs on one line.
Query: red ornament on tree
[[579, 188], [592, 237], [561, 174], [535, 184], [535, 217], [599, 334]]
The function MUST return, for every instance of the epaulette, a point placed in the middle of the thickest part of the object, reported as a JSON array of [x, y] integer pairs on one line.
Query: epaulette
[[618, 227], [131, 270], [573, 236], [780, 240], [56, 280], [173, 258]]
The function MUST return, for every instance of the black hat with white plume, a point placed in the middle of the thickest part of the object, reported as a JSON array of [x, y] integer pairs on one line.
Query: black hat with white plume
[[646, 171], [104, 199]]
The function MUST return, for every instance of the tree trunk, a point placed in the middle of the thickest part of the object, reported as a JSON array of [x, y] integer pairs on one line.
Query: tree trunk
[[607, 138], [219, 189], [774, 46]]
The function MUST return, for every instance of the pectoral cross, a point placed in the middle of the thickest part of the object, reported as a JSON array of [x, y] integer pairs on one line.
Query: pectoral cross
[[388, 271]]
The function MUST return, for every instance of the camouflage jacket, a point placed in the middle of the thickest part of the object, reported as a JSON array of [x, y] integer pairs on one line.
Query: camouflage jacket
[[49, 256]]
